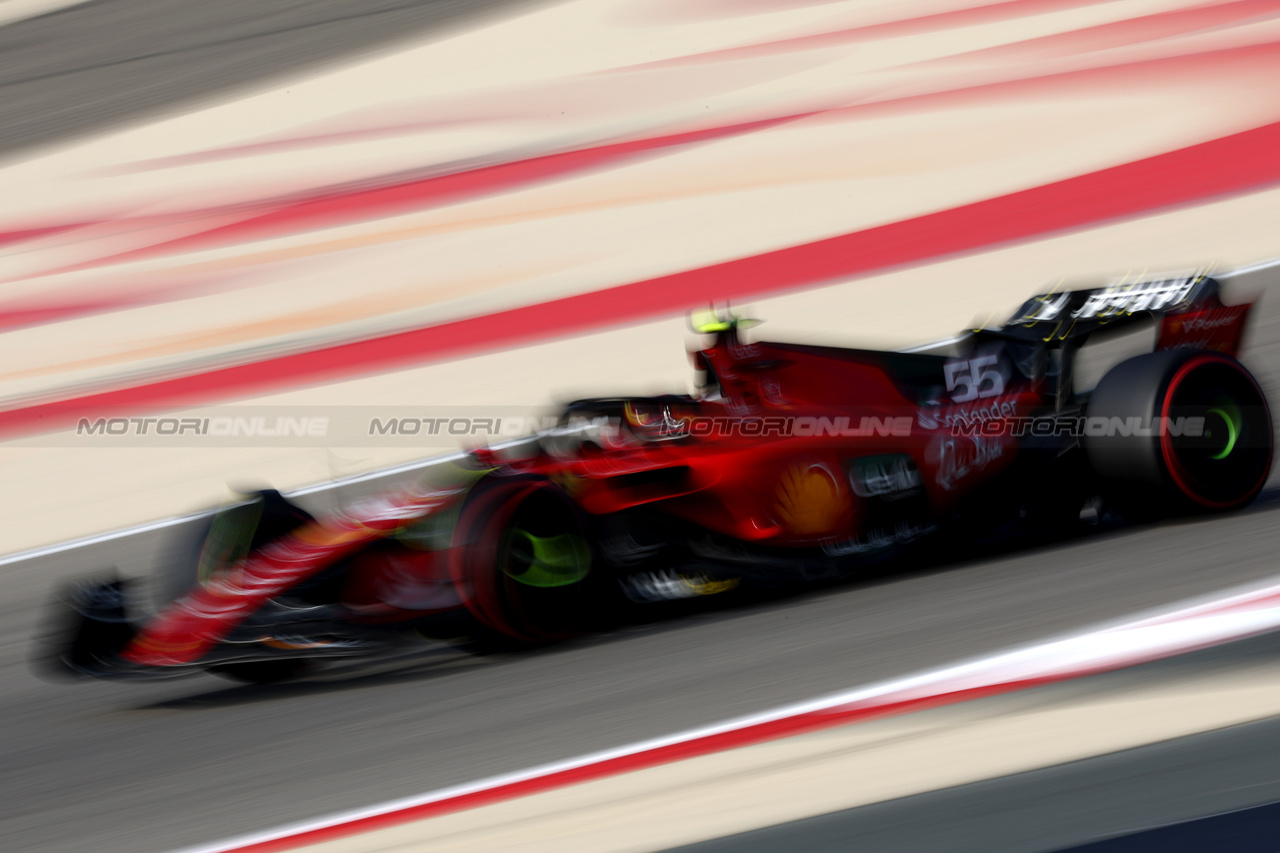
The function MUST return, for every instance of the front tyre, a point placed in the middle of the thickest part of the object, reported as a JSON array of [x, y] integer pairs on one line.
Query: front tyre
[[1180, 431]]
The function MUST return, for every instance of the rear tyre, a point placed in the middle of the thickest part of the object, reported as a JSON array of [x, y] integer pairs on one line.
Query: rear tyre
[[522, 562], [1184, 431]]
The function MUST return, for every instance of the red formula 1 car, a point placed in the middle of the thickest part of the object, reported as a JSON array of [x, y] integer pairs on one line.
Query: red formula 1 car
[[795, 463]]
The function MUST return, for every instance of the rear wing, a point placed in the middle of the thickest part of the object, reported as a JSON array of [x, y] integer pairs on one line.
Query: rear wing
[[1188, 310]]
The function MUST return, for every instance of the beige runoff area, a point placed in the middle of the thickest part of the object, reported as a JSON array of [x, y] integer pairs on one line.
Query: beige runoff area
[[696, 206], [855, 765], [574, 75], [16, 10]]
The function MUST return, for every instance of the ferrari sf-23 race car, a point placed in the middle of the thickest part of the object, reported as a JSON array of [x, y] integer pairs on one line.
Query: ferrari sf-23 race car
[[794, 463]]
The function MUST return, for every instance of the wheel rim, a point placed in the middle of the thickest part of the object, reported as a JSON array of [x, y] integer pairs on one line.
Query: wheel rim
[[546, 561], [1225, 464], [1223, 419], [524, 561]]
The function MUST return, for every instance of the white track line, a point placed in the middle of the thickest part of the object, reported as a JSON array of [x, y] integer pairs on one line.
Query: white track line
[[72, 545], [1191, 625]]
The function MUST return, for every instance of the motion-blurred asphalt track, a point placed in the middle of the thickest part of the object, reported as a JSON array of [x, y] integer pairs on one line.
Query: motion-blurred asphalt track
[[130, 767], [104, 63]]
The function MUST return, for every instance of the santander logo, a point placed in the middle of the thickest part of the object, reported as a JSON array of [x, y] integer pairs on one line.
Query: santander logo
[[1204, 324]]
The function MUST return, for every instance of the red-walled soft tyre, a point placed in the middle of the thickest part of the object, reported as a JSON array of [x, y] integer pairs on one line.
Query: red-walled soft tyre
[[522, 558], [1203, 441]]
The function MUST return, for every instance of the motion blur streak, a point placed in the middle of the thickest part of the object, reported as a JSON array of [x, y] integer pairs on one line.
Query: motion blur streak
[[1149, 28], [1233, 164], [1129, 31], [431, 204], [335, 208], [975, 128], [392, 195]]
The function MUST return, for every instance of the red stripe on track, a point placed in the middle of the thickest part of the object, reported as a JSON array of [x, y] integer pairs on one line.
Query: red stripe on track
[[16, 318], [968, 17], [392, 195], [680, 751], [346, 206], [1131, 31], [24, 234], [1230, 165], [20, 313]]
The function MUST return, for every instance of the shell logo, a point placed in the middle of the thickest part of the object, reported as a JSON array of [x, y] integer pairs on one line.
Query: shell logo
[[810, 500]]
